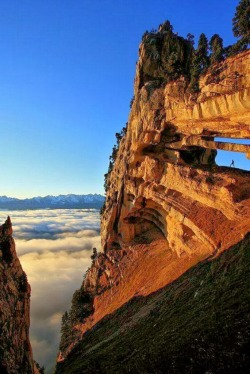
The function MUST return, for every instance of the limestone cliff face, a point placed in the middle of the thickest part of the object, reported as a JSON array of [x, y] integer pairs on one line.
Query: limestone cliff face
[[168, 205], [15, 349], [165, 172]]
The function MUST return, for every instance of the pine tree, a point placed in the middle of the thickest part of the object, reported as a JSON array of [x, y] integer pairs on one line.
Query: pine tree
[[216, 47], [200, 63], [66, 331], [190, 39], [118, 136], [241, 23], [81, 306], [65, 323], [194, 74], [94, 255], [202, 53], [166, 27]]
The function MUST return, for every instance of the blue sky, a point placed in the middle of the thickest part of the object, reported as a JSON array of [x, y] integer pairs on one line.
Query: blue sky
[[66, 80]]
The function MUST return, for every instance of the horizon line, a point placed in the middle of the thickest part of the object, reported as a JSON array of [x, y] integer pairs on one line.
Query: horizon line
[[49, 195]]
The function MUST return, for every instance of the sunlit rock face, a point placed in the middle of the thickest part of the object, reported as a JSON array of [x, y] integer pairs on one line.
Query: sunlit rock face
[[15, 349], [168, 205], [165, 175]]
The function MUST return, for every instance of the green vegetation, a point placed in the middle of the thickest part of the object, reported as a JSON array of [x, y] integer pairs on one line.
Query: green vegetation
[[94, 255], [131, 102], [41, 369], [241, 24], [68, 333], [171, 54], [199, 323], [200, 63], [175, 56], [5, 246], [202, 54], [23, 283], [216, 47], [112, 158], [81, 308]]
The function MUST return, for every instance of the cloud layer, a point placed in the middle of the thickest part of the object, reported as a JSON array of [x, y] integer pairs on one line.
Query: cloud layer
[[54, 247]]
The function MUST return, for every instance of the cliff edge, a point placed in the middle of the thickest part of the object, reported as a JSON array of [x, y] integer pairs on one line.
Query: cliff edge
[[172, 219], [15, 349]]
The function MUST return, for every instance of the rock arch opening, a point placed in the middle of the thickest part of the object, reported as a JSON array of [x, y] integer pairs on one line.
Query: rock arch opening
[[238, 157]]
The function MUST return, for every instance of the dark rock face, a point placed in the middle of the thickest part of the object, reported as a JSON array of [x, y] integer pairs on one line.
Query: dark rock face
[[15, 349]]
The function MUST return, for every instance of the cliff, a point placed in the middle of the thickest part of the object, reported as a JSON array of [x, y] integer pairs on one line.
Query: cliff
[[172, 221], [15, 349]]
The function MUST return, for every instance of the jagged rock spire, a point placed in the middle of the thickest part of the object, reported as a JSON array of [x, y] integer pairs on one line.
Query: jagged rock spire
[[6, 228]]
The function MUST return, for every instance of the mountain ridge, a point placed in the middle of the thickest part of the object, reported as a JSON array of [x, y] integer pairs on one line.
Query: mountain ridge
[[69, 201]]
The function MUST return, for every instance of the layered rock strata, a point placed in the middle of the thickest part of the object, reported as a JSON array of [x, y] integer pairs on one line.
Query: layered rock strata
[[168, 205], [15, 349]]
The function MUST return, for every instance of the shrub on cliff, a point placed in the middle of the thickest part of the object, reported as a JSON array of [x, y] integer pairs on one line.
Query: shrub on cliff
[[94, 255], [7, 254], [131, 102], [23, 283], [81, 306], [40, 369], [104, 203], [66, 332], [112, 158]]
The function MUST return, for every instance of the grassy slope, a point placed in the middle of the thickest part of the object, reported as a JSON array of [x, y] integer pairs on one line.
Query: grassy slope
[[198, 324]]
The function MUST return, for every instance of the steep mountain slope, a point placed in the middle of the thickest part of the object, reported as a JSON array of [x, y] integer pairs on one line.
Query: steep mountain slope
[[198, 324], [70, 201], [15, 349], [169, 208]]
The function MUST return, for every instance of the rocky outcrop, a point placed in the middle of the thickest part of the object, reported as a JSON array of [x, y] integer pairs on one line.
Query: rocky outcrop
[[168, 205], [15, 350]]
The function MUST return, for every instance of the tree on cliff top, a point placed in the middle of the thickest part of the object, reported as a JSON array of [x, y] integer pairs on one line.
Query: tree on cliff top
[[216, 47], [241, 23], [202, 53], [200, 63], [166, 27]]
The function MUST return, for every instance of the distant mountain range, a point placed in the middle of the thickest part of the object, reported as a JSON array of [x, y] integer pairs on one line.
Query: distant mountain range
[[53, 202]]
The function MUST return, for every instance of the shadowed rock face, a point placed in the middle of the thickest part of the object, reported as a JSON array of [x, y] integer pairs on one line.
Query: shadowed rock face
[[15, 349], [168, 205]]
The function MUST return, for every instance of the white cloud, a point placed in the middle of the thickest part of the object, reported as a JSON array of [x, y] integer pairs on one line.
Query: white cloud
[[54, 247]]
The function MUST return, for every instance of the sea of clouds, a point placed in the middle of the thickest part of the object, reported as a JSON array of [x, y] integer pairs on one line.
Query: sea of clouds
[[54, 247]]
